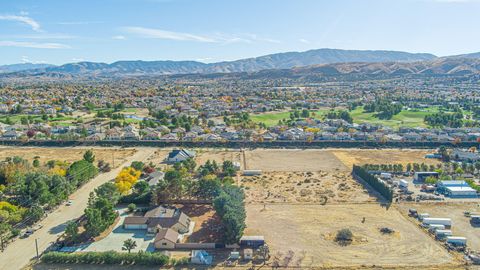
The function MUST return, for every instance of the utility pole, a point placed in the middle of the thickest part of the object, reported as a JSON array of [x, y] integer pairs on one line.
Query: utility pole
[[36, 246]]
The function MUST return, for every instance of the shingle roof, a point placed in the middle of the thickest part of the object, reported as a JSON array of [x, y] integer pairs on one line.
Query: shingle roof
[[167, 234]]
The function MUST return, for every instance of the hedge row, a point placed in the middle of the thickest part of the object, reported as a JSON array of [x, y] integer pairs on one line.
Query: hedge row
[[374, 182], [245, 144], [108, 257]]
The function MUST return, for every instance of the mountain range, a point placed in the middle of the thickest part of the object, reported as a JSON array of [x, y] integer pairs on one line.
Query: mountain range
[[323, 61]]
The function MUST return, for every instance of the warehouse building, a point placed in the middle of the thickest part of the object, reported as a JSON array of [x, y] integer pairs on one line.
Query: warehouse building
[[460, 192]]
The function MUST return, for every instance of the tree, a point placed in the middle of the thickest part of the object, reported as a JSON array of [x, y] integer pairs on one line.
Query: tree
[[35, 213], [229, 205], [344, 235], [132, 207], [137, 165], [81, 171], [108, 190], [100, 214], [89, 156], [71, 231], [129, 244], [126, 179], [228, 168], [36, 163], [141, 186]]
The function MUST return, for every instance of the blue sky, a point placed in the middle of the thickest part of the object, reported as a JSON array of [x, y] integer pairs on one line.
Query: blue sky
[[62, 31]]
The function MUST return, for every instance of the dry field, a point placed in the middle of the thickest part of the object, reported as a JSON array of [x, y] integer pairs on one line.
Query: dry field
[[67, 154], [460, 224], [304, 187], [382, 156], [309, 231], [218, 155], [208, 226], [293, 160]]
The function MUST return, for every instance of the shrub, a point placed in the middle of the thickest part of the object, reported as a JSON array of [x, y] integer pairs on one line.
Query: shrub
[[132, 207], [107, 257], [344, 235]]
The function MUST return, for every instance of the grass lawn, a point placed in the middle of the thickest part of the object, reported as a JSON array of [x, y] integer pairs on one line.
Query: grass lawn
[[412, 118], [407, 118], [272, 118]]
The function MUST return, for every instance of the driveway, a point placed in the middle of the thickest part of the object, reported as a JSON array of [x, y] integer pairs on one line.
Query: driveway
[[114, 241], [21, 251]]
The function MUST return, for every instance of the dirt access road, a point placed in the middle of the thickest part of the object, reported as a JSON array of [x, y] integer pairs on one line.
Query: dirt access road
[[20, 252]]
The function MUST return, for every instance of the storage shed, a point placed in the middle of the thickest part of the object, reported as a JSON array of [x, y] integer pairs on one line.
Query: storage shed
[[252, 241]]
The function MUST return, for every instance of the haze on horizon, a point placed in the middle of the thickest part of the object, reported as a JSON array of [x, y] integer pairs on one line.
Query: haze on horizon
[[58, 32]]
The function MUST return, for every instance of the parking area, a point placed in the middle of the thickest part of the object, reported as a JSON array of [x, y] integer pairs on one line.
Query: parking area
[[114, 241], [461, 225]]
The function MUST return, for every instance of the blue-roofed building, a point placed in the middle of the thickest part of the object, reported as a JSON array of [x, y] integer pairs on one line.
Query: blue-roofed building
[[456, 189], [179, 155]]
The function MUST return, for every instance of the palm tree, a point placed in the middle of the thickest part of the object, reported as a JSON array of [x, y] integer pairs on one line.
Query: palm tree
[[129, 244]]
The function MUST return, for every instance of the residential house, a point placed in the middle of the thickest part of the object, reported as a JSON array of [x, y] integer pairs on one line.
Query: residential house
[[179, 155]]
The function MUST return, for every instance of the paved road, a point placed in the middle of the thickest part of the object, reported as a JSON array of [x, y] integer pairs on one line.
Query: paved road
[[20, 252]]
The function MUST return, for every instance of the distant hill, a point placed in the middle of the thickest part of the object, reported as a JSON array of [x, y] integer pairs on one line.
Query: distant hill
[[21, 67], [273, 61], [436, 67], [315, 57], [468, 55]]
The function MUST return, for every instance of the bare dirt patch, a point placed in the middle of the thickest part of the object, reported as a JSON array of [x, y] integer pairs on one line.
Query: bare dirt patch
[[304, 187], [460, 224], [208, 228], [308, 232], [349, 157], [293, 160], [218, 155], [119, 155]]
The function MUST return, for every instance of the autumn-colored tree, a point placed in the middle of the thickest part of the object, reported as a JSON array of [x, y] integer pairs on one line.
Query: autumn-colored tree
[[126, 179]]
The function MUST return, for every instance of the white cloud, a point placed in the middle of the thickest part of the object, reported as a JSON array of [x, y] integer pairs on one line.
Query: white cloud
[[78, 59], [35, 45], [42, 36], [212, 38], [304, 41], [455, 1], [119, 37], [163, 34], [26, 59], [79, 22], [22, 19]]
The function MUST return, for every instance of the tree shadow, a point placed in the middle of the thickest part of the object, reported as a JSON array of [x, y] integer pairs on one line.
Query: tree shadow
[[59, 228]]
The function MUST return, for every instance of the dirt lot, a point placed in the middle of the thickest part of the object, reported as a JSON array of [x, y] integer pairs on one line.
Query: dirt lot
[[218, 155], [293, 160], [207, 228], [309, 231], [304, 187], [383, 156], [67, 154], [460, 224]]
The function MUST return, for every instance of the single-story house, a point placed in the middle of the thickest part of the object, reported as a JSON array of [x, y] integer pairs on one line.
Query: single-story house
[[166, 239], [155, 177], [159, 218], [179, 155]]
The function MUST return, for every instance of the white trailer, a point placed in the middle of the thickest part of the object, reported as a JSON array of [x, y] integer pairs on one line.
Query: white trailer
[[421, 216], [386, 175], [442, 234], [447, 222], [252, 172], [457, 240], [434, 227], [403, 183]]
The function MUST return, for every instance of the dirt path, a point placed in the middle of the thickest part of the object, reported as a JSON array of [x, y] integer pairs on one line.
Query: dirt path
[[21, 251]]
